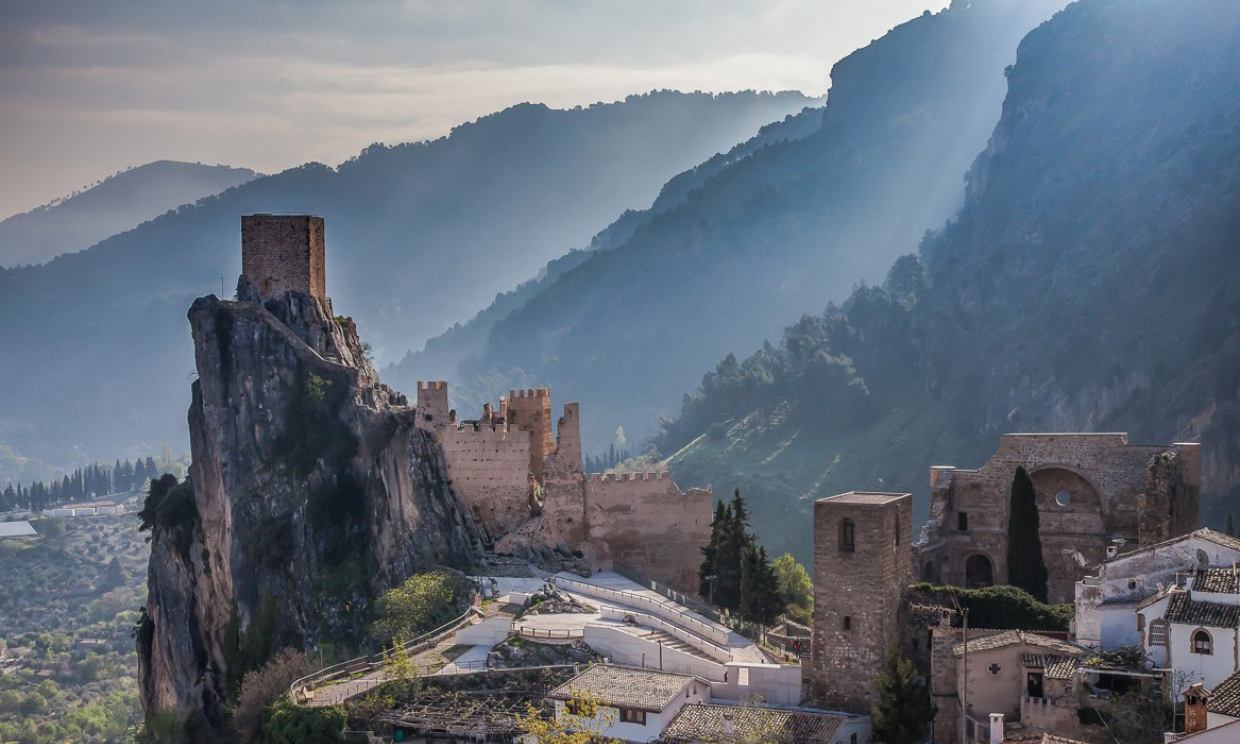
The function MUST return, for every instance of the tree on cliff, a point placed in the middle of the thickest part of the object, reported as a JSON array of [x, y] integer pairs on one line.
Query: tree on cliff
[[706, 574], [1026, 566], [901, 712]]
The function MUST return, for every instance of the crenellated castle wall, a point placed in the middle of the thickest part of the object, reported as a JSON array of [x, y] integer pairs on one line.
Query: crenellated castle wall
[[644, 522], [522, 478], [488, 467]]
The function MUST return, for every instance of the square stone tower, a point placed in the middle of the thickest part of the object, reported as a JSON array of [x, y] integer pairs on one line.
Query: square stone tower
[[863, 561], [284, 252]]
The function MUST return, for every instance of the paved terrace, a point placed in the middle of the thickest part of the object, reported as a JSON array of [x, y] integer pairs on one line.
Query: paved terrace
[[601, 590]]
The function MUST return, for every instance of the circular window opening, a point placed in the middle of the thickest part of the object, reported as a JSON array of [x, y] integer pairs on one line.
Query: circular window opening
[[1063, 498]]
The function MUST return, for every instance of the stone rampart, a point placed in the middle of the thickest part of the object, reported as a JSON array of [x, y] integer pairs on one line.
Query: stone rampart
[[644, 521]]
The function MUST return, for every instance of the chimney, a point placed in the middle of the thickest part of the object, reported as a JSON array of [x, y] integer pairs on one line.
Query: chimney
[[996, 728], [728, 729]]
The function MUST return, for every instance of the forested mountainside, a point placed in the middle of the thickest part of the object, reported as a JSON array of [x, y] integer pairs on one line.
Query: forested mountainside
[[787, 228], [440, 358], [1089, 283], [116, 203], [419, 235]]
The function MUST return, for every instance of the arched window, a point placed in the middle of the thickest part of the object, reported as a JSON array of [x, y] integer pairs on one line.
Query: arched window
[[848, 535], [1202, 642], [1158, 632]]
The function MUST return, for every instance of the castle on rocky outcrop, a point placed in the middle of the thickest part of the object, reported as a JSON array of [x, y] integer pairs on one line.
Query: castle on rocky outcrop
[[518, 471], [523, 479], [1098, 496]]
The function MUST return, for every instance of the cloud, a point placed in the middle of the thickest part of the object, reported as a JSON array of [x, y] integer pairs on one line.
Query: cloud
[[90, 88]]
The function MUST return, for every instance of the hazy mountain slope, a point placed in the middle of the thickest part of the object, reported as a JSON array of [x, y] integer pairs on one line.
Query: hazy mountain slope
[[773, 234], [1090, 282], [440, 358], [116, 203], [419, 235]]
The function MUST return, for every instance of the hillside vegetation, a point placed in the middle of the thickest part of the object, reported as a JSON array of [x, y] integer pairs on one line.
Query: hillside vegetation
[[1090, 282], [791, 225]]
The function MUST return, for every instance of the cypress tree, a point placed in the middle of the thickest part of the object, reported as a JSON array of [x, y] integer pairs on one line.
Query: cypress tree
[[710, 553], [730, 554], [901, 712], [1026, 566]]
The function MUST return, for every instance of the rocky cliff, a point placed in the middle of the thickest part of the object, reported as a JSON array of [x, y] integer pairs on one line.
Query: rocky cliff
[[311, 492]]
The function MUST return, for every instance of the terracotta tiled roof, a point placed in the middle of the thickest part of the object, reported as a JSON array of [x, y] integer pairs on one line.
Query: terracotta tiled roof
[[1055, 666], [1217, 580], [705, 723], [1188, 611], [1225, 698], [625, 687], [1016, 637]]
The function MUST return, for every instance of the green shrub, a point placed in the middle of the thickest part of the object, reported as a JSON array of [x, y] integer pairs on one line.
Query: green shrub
[[999, 607], [286, 723], [424, 602]]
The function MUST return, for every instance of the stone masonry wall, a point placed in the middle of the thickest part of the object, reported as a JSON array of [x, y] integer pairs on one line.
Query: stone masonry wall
[[643, 521], [857, 593], [530, 410], [1110, 494], [282, 253], [488, 466]]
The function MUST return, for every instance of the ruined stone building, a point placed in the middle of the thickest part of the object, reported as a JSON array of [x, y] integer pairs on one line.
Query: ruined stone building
[[1095, 493], [522, 476]]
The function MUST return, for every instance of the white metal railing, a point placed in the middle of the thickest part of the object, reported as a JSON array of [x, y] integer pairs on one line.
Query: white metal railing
[[711, 649], [714, 631], [369, 663]]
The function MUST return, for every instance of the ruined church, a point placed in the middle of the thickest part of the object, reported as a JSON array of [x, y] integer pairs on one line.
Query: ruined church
[[1098, 496]]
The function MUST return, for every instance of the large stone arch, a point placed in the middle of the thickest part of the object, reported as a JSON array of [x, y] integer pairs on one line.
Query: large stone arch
[[979, 571], [1073, 529]]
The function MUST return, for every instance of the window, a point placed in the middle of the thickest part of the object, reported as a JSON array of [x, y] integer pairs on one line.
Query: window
[[631, 715], [576, 707], [962, 521], [1063, 498], [852, 739], [848, 536], [1158, 632], [1202, 643], [847, 622], [897, 529]]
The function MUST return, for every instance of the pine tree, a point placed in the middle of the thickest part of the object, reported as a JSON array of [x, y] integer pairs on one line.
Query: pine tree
[[1026, 566], [901, 712]]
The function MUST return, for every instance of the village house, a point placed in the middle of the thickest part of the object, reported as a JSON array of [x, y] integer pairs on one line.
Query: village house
[[628, 703]]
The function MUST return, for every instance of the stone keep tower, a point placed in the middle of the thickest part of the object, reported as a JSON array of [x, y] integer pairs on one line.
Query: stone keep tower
[[432, 404], [863, 561], [530, 410], [284, 252]]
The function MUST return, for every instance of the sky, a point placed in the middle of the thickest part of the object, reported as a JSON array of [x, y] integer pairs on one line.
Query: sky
[[91, 87]]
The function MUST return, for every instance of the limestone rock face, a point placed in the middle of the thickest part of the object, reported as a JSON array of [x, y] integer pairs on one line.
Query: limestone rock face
[[312, 493]]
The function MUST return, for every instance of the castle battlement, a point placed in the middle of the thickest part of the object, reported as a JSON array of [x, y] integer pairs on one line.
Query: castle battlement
[[530, 393], [479, 428], [637, 476], [433, 385]]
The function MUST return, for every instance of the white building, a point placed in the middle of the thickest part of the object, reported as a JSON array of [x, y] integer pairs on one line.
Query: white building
[[632, 704], [1195, 630], [1108, 602]]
